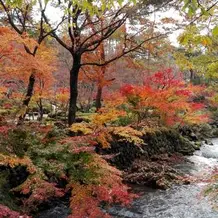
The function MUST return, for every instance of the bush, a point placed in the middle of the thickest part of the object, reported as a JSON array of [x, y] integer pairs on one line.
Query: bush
[[52, 158]]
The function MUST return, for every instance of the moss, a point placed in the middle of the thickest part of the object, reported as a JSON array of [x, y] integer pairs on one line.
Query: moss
[[166, 140], [197, 145], [215, 132]]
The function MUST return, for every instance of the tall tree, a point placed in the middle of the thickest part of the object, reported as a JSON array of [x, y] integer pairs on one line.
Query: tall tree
[[21, 17], [85, 34]]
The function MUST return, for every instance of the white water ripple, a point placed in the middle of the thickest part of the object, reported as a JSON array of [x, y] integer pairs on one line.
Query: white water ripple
[[184, 201]]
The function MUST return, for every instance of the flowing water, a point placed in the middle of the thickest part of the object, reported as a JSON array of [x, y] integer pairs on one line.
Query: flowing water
[[184, 201]]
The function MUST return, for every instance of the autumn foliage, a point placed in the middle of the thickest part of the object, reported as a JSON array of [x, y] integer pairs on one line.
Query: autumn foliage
[[59, 161], [107, 187], [17, 65], [5, 212], [52, 158], [166, 97], [88, 177]]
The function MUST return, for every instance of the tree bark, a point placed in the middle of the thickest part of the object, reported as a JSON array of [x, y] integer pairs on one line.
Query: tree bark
[[98, 98], [27, 99], [192, 75], [102, 75], [41, 111], [74, 72]]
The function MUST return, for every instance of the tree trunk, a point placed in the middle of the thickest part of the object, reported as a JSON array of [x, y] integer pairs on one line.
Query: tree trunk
[[74, 88], [101, 77], [98, 98], [192, 75], [41, 111], [27, 99]]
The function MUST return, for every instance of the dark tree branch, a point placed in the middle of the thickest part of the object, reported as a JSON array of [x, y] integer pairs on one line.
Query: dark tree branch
[[10, 19], [108, 28], [95, 43], [208, 9], [53, 33], [70, 23], [124, 52], [25, 16]]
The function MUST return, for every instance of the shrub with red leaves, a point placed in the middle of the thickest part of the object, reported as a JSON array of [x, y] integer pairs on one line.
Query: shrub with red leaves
[[5, 212], [165, 97]]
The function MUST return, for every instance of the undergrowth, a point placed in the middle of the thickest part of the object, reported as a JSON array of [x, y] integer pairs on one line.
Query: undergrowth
[[51, 157]]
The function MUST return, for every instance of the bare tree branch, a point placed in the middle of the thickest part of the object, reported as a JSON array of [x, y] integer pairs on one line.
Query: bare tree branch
[[208, 9], [110, 31], [53, 30], [10, 19], [124, 52], [108, 28]]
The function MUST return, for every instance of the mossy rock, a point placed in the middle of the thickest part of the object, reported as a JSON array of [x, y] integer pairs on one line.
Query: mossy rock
[[184, 146], [155, 142], [167, 141], [215, 132], [197, 145]]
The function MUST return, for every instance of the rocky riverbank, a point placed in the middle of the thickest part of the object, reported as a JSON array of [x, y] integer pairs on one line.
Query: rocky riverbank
[[153, 163]]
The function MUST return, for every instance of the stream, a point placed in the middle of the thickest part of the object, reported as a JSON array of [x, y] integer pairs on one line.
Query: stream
[[181, 201]]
